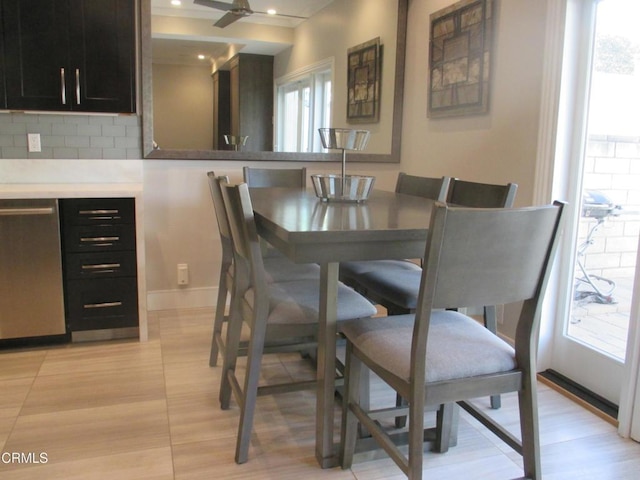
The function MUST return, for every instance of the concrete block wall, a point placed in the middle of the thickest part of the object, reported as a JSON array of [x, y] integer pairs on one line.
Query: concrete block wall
[[71, 136], [612, 166]]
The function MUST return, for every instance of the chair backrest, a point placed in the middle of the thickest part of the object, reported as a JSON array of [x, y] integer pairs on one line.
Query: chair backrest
[[275, 177], [427, 187], [481, 195], [477, 256], [221, 214], [244, 235]]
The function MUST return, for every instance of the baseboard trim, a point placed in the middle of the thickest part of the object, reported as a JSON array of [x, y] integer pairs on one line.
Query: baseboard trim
[[581, 395], [182, 298]]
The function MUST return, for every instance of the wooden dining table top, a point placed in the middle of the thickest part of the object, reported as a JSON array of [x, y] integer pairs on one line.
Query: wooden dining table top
[[308, 229]]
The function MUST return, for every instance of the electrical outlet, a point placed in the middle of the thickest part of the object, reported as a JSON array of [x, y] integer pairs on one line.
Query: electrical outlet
[[33, 142], [183, 274]]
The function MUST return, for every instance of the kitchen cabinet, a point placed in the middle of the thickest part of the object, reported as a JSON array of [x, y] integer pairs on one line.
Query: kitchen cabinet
[[221, 109], [99, 263], [251, 93], [76, 55], [3, 96]]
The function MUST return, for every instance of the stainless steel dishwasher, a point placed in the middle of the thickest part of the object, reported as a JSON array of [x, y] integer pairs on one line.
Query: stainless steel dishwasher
[[31, 296]]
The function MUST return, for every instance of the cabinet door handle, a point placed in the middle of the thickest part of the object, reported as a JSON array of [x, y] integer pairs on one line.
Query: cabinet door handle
[[78, 86], [64, 87], [103, 305], [26, 211]]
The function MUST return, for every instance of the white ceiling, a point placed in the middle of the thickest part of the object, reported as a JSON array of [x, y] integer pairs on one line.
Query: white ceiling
[[301, 8], [185, 51]]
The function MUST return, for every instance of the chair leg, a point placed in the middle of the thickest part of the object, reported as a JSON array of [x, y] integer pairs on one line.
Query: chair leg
[[491, 324], [364, 398], [527, 399], [219, 317], [349, 422], [447, 419], [416, 440], [401, 421], [248, 405], [232, 345]]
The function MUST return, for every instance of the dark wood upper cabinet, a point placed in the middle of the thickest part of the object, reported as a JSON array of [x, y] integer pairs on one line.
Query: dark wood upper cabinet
[[251, 92], [70, 55], [3, 92], [221, 109]]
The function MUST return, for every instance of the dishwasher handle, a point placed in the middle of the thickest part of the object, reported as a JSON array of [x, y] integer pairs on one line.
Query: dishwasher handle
[[5, 212]]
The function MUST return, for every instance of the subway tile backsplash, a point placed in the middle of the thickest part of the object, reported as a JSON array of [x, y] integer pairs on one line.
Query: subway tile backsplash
[[71, 136]]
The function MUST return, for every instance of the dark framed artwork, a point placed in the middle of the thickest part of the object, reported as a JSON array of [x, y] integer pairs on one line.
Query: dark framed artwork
[[460, 59], [363, 82]]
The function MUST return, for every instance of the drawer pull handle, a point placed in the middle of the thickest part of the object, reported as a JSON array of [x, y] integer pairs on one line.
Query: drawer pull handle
[[99, 212], [103, 214], [102, 268], [99, 239], [103, 305]]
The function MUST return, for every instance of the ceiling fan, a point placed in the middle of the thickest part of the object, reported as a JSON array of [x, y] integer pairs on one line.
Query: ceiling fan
[[235, 11]]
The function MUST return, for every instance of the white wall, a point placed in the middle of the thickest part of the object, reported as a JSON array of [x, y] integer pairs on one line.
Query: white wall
[[498, 147], [340, 26], [183, 106]]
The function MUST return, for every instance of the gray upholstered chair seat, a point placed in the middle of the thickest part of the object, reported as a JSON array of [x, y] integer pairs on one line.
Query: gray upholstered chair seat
[[352, 271], [281, 269], [458, 346], [425, 187], [298, 302], [400, 287]]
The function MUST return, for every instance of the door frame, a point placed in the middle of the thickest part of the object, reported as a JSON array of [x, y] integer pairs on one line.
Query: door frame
[[561, 104]]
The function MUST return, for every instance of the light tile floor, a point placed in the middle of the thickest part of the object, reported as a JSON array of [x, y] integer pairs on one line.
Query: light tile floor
[[130, 410]]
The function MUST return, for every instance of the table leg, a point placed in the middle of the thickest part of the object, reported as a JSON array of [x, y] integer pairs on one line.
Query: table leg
[[326, 372]]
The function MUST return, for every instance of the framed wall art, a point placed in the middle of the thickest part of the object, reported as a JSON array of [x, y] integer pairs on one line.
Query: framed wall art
[[460, 59], [363, 82]]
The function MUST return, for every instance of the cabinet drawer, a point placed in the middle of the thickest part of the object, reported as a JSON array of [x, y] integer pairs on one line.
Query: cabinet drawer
[[99, 238], [102, 303], [100, 265], [97, 211]]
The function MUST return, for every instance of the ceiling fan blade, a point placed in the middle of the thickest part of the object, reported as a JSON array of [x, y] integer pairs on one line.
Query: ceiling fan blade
[[227, 19], [280, 15], [213, 4]]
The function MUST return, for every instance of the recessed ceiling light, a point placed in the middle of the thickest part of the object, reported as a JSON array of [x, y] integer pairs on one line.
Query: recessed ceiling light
[[201, 57], [176, 3], [271, 11]]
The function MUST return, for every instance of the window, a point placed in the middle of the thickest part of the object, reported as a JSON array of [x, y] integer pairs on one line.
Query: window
[[303, 104]]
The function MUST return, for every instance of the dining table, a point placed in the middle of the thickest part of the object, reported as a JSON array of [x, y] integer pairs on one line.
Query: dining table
[[308, 229]]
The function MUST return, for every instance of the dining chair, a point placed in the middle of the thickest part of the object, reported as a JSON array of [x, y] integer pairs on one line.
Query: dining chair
[[286, 312], [426, 187], [275, 177], [277, 268], [437, 356], [397, 290]]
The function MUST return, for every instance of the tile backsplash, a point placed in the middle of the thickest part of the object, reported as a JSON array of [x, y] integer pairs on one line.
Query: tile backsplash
[[71, 136]]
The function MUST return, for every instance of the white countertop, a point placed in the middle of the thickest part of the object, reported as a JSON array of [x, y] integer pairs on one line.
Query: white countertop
[[70, 190]]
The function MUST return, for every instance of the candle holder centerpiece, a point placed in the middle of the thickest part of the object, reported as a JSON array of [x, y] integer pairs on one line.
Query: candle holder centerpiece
[[236, 141], [343, 188]]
